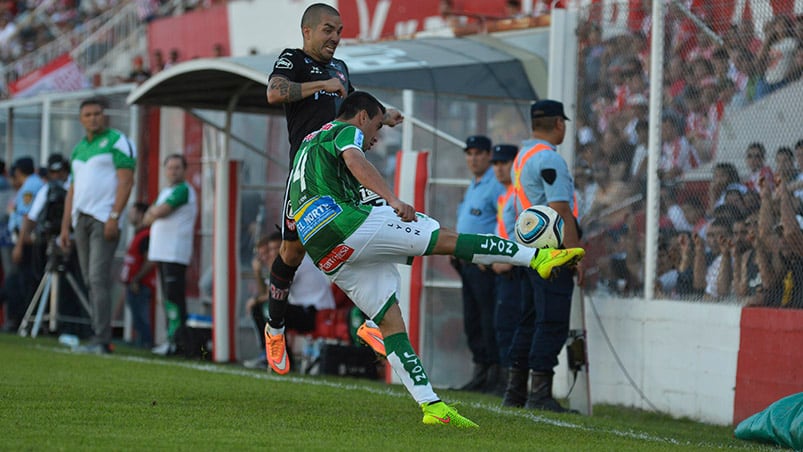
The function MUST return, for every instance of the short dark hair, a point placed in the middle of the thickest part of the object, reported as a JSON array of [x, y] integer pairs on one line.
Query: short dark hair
[[312, 15], [100, 101], [785, 150], [760, 147], [177, 157], [358, 101]]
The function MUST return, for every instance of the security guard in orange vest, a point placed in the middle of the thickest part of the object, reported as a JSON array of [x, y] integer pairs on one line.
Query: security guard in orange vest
[[510, 278], [541, 177]]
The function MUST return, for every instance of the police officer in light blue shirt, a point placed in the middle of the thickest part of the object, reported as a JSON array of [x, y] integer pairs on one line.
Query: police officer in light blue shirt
[[476, 214], [21, 279], [24, 172]]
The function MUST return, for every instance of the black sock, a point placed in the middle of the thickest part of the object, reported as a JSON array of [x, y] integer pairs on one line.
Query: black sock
[[281, 276]]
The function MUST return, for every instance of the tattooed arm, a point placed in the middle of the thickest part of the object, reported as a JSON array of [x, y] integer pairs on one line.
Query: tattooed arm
[[282, 90]]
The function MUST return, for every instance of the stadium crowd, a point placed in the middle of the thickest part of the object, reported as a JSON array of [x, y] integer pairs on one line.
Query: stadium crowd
[[712, 243]]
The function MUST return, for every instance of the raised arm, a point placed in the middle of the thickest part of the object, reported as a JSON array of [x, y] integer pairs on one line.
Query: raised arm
[[282, 90]]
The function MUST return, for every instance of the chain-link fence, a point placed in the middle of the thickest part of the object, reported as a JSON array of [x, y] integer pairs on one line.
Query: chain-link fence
[[731, 156]]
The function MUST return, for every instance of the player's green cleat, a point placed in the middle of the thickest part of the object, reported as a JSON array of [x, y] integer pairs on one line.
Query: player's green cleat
[[439, 413], [548, 259]]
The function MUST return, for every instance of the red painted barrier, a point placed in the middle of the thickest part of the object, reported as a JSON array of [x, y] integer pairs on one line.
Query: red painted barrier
[[770, 363]]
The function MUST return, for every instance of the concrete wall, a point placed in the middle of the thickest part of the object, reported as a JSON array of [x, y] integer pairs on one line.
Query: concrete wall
[[681, 355]]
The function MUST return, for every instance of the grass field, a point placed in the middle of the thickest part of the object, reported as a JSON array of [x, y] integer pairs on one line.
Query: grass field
[[51, 399]]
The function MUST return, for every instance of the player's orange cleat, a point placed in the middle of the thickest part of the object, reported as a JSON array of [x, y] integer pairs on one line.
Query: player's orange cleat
[[276, 351], [371, 335]]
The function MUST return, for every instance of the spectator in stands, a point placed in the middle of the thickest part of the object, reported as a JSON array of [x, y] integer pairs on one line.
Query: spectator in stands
[[688, 215], [147, 10], [513, 9], [782, 270], [638, 166], [172, 220], [9, 47], [756, 155], [172, 58], [777, 56], [708, 256], [799, 155], [669, 252], [585, 189], [610, 204], [591, 57], [746, 278], [138, 274], [746, 76], [677, 154], [158, 61], [724, 179], [701, 122], [138, 72], [310, 293], [786, 170]]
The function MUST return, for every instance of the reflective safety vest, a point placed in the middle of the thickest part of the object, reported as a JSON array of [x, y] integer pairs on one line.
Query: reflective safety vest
[[501, 201], [518, 165]]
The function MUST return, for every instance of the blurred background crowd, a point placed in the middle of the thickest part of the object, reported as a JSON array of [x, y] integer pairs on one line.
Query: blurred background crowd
[[723, 235]]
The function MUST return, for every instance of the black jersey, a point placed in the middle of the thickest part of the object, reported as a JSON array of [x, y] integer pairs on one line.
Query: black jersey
[[311, 113]]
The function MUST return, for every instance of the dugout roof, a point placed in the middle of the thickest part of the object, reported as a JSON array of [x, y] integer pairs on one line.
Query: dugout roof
[[475, 66]]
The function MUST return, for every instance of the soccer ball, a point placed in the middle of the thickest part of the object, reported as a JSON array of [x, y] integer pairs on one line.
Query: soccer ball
[[540, 227]]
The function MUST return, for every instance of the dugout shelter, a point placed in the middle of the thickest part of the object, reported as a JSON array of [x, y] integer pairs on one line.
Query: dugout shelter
[[428, 79]]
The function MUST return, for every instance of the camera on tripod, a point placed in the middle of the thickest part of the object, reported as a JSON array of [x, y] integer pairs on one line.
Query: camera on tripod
[[49, 222]]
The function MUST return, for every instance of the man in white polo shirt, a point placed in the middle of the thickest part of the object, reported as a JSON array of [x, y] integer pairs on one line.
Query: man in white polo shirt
[[172, 222], [102, 165]]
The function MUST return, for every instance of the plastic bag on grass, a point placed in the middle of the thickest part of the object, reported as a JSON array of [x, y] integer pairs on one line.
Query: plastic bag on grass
[[780, 423]]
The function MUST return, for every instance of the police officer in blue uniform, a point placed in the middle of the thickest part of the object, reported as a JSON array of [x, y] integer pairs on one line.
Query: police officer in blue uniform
[[21, 279], [476, 214], [509, 278], [541, 176]]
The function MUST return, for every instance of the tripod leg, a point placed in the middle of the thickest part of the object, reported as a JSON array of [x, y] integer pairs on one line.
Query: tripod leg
[[42, 303], [22, 331], [80, 293], [54, 301]]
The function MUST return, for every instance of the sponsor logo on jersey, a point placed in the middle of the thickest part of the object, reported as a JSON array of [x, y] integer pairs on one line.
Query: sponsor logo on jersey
[[283, 63], [336, 258], [358, 138], [104, 142], [341, 76], [314, 215], [315, 70], [370, 198]]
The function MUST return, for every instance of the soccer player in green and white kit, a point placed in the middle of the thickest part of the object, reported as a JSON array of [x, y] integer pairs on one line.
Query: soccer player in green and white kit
[[357, 245]]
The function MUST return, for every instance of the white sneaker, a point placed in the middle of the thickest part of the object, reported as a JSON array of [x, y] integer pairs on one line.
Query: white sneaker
[[260, 362], [162, 349]]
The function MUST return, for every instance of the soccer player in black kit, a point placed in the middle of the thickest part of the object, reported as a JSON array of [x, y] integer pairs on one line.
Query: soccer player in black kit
[[310, 83]]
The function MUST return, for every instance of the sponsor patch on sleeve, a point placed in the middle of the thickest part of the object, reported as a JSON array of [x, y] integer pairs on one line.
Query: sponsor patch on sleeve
[[314, 215], [283, 63]]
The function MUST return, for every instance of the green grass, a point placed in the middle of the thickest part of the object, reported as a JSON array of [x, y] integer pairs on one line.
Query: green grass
[[51, 399]]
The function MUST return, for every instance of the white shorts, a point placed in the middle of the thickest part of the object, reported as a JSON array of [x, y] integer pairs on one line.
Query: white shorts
[[369, 276]]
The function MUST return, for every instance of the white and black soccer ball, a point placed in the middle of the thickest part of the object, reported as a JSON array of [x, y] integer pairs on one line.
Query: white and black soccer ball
[[540, 227]]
